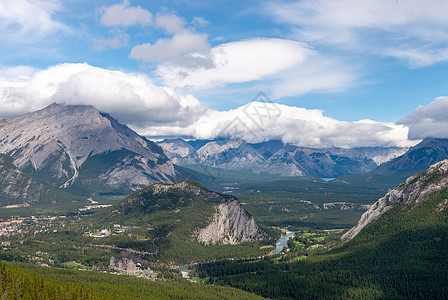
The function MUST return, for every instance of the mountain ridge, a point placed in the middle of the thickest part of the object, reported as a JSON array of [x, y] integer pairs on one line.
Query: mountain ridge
[[412, 191], [274, 157]]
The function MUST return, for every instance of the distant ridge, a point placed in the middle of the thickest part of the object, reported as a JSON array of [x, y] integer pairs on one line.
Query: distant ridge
[[274, 157]]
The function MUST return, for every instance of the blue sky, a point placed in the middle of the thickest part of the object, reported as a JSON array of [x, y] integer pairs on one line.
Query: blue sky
[[350, 60]]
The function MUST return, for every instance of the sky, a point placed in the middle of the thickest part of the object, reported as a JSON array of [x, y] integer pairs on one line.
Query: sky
[[322, 72]]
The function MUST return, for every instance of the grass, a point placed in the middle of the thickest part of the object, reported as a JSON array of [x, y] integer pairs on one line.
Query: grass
[[72, 265]]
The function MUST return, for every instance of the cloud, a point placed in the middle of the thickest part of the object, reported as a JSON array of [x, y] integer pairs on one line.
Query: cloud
[[172, 24], [125, 15], [131, 98], [428, 121], [235, 62], [25, 21], [171, 49], [261, 121], [413, 30], [318, 73], [200, 22], [160, 111], [284, 67]]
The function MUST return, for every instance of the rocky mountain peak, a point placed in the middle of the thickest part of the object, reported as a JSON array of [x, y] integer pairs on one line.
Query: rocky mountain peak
[[414, 190], [58, 139]]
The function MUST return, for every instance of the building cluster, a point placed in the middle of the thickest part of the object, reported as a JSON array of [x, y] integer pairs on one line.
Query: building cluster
[[28, 225], [129, 267]]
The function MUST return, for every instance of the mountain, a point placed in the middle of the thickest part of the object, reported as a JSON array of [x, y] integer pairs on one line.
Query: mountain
[[274, 157], [408, 194], [417, 159], [18, 189], [188, 221], [77, 147], [398, 250]]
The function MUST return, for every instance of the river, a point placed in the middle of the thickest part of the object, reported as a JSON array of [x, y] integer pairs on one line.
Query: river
[[282, 242]]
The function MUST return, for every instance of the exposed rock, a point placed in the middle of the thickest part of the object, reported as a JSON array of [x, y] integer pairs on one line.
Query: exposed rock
[[221, 218], [55, 143], [414, 190], [418, 158], [231, 224], [20, 190], [274, 157]]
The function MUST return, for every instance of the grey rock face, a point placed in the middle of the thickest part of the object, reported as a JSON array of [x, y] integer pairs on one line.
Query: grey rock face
[[55, 142], [228, 224], [231, 224], [420, 157], [411, 191], [18, 189], [274, 157]]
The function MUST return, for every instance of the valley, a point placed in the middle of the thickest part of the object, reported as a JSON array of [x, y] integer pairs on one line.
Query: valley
[[128, 210]]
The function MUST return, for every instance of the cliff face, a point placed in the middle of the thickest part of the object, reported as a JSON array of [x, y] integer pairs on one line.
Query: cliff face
[[55, 144], [231, 224], [412, 191], [211, 217]]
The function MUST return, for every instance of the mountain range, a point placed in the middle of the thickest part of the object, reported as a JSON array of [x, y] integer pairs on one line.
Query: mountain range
[[274, 157]]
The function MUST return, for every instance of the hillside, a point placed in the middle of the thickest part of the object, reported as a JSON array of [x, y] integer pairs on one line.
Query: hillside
[[409, 193], [21, 190], [77, 147], [187, 222], [400, 254], [415, 160], [28, 282]]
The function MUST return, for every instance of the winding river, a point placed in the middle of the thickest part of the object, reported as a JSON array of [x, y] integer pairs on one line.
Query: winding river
[[282, 242]]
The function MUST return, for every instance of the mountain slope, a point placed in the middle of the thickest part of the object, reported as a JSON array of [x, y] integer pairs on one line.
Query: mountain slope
[[55, 143], [18, 189], [188, 221], [409, 193], [418, 158], [415, 160]]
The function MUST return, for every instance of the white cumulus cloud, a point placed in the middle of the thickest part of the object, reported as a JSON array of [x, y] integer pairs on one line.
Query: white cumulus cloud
[[430, 121], [261, 121], [125, 15], [131, 98]]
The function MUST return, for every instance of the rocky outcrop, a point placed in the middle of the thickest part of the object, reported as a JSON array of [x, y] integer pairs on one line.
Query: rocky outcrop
[[414, 190], [231, 224], [55, 144], [217, 218]]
